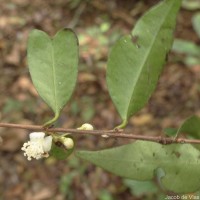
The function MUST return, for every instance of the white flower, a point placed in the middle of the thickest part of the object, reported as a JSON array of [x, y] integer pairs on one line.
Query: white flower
[[87, 127], [38, 146]]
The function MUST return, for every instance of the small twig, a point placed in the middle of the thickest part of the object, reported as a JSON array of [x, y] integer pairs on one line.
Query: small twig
[[77, 15], [103, 133]]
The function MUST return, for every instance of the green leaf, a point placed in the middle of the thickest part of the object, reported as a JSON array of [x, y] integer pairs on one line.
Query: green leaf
[[196, 23], [186, 47], [53, 66], [105, 195], [191, 126], [60, 152], [191, 60], [191, 4], [66, 182], [170, 131], [136, 60], [140, 188], [141, 160]]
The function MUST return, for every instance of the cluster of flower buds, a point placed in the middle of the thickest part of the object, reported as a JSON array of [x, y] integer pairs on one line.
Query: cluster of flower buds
[[39, 145]]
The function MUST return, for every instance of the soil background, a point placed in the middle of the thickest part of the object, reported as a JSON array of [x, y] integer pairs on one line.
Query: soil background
[[98, 23]]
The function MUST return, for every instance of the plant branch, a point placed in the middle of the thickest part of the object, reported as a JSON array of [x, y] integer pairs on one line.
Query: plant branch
[[104, 133]]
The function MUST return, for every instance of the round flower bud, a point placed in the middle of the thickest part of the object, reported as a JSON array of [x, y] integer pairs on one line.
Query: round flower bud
[[87, 127], [68, 143]]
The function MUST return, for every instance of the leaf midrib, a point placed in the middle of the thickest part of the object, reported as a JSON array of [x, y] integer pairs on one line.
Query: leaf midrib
[[54, 77], [152, 162], [145, 58]]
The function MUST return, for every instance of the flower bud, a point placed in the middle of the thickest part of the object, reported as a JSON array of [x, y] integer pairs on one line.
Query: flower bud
[[87, 127], [68, 142]]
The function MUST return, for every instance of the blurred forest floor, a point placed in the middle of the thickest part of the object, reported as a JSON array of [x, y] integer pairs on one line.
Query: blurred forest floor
[[98, 24]]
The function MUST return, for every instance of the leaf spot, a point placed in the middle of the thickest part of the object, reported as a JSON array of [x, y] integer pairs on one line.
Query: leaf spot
[[134, 39]]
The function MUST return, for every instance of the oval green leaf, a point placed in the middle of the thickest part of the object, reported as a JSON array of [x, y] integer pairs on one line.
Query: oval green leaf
[[53, 65], [142, 160], [136, 60]]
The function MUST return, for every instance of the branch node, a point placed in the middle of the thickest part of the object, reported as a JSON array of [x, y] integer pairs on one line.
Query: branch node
[[165, 141]]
